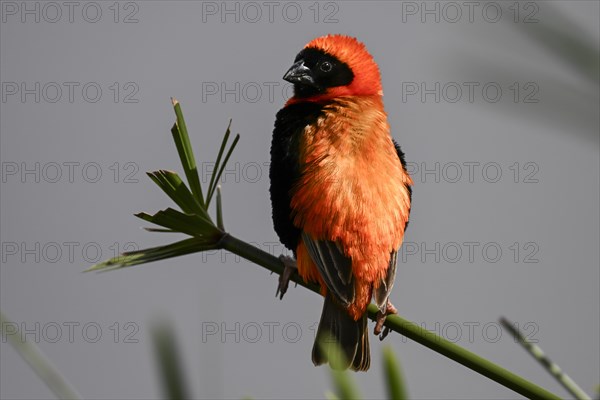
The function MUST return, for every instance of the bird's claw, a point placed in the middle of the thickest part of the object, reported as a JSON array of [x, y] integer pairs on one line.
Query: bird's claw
[[390, 309], [284, 279]]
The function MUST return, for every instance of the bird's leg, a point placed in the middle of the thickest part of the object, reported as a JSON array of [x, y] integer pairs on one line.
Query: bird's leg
[[284, 279], [389, 309]]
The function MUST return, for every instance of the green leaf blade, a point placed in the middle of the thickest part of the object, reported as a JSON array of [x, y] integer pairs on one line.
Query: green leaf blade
[[190, 224], [186, 154], [396, 387], [220, 222], [222, 166], [169, 361], [218, 163], [144, 256], [176, 189]]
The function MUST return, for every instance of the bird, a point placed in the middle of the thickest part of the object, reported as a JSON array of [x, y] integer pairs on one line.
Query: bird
[[340, 193]]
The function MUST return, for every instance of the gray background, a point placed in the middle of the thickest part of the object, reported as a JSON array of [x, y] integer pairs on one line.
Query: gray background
[[171, 51]]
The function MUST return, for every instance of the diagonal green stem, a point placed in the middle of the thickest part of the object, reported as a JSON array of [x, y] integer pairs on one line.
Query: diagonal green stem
[[404, 327], [553, 368], [463, 356], [36, 360]]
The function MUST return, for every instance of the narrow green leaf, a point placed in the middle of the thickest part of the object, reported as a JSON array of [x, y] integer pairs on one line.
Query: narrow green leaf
[[144, 216], [330, 396], [536, 352], [190, 224], [346, 390], [567, 40], [220, 223], [176, 189], [218, 163], [186, 154], [396, 387], [168, 361], [342, 382], [160, 230], [32, 355], [177, 249], [223, 165]]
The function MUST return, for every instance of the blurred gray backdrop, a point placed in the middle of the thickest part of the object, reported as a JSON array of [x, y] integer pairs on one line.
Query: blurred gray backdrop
[[494, 103]]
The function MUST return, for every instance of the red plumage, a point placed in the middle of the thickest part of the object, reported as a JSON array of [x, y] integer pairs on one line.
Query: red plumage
[[350, 193]]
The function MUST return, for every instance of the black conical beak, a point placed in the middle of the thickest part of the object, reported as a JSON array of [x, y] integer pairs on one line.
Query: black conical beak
[[300, 73]]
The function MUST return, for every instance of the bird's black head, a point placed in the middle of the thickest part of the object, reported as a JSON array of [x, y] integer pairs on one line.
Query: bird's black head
[[314, 71]]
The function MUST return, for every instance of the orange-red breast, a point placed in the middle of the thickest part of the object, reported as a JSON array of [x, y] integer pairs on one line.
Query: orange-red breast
[[339, 188]]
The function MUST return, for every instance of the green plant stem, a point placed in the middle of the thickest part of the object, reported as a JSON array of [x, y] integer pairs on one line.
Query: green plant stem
[[404, 327], [261, 258], [36, 360], [553, 368], [463, 356]]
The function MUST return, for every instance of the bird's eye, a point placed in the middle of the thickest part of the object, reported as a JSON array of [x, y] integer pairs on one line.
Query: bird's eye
[[326, 66]]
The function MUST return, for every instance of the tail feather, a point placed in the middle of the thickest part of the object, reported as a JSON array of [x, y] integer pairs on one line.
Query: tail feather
[[341, 341]]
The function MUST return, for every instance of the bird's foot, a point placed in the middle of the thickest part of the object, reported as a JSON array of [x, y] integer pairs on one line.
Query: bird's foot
[[390, 309], [284, 279]]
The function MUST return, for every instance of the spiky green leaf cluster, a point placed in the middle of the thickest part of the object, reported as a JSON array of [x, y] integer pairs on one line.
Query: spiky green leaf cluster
[[194, 219]]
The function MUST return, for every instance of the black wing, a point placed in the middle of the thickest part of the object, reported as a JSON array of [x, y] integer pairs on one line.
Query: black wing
[[335, 268]]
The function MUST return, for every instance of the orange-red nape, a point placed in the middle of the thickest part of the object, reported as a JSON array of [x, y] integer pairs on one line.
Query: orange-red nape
[[367, 79]]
